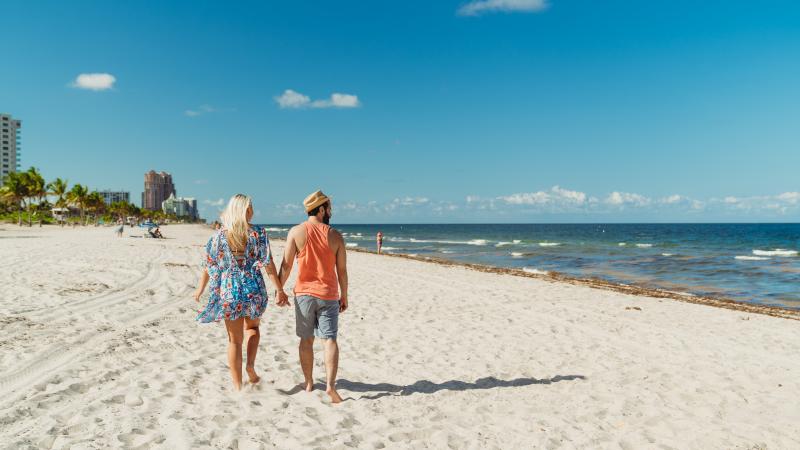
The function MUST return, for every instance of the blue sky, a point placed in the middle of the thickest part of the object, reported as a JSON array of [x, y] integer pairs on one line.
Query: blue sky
[[417, 111]]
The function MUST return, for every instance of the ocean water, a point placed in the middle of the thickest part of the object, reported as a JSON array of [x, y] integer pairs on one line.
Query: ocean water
[[755, 263]]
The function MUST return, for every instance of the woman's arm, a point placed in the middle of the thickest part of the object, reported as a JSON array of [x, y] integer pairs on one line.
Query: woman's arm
[[272, 273], [202, 285]]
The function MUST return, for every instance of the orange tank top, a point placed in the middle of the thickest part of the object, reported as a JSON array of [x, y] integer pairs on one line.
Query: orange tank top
[[316, 265]]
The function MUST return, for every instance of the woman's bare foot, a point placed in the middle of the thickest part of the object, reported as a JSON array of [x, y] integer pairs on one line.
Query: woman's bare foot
[[335, 398], [251, 373]]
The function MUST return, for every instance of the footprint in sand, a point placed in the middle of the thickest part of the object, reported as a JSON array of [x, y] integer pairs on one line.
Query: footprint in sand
[[133, 400], [79, 388], [128, 438]]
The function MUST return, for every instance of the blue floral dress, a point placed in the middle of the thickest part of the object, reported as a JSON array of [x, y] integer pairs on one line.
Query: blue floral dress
[[236, 290]]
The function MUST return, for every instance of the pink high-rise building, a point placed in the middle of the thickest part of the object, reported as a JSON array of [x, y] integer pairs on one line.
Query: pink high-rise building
[[157, 188]]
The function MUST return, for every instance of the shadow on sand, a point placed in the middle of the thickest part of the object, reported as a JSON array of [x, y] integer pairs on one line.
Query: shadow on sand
[[428, 387]]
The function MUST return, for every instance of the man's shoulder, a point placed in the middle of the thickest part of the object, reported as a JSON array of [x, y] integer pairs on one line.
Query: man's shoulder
[[335, 234], [299, 228]]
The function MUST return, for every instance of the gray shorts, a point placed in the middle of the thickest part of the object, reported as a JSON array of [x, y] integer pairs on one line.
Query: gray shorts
[[316, 317]]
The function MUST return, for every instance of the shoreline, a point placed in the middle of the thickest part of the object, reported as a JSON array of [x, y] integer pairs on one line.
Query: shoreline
[[598, 283], [556, 277]]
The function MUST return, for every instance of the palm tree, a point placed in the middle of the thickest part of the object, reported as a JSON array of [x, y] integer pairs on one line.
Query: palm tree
[[37, 189], [14, 190], [58, 189], [95, 203], [122, 209], [78, 197]]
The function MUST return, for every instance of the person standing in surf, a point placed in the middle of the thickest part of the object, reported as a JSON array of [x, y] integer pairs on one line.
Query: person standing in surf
[[379, 241], [322, 272], [234, 258]]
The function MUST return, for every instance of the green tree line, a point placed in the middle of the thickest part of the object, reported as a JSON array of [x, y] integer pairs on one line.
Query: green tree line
[[28, 194]]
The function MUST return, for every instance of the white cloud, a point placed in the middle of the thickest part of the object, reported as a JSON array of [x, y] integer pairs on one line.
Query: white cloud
[[94, 81], [560, 203], [218, 202], [291, 99], [528, 198], [337, 101], [478, 7], [406, 202], [627, 198], [203, 109], [473, 199], [556, 195], [790, 197], [731, 200], [348, 206], [288, 209], [573, 196], [781, 203]]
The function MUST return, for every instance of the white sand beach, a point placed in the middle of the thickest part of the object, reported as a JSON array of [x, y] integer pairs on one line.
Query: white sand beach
[[99, 349]]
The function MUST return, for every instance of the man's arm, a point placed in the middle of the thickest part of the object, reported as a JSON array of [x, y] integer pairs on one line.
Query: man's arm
[[341, 270], [289, 253]]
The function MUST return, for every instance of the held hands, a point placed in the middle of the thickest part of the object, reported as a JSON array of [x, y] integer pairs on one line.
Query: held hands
[[283, 299]]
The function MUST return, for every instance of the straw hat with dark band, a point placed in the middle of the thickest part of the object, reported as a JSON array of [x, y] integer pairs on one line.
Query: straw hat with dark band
[[314, 200]]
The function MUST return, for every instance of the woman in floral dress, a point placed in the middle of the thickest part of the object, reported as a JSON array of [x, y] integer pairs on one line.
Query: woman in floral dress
[[234, 258]]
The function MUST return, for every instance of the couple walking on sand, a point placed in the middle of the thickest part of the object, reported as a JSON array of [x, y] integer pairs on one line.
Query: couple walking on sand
[[236, 255]]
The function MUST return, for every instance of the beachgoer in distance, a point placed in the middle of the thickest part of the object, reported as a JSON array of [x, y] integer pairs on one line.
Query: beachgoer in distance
[[234, 258], [120, 228], [322, 272], [379, 240]]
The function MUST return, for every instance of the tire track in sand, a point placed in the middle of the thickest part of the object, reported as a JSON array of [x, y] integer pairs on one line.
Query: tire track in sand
[[16, 382]]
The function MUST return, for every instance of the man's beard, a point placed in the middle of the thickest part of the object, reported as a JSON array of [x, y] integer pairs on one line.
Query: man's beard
[[326, 219]]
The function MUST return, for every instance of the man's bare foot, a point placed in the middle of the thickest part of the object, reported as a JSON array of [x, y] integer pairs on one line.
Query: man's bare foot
[[335, 398], [309, 386], [251, 373]]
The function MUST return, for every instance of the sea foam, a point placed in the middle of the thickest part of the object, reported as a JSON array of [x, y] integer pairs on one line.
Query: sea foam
[[776, 252], [534, 270], [751, 258], [351, 244], [644, 245], [549, 244]]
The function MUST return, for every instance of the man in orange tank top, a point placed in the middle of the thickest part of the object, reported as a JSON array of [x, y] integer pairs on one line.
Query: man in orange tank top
[[321, 287]]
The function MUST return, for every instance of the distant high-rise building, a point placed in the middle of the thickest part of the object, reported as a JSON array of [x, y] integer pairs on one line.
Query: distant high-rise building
[[157, 188], [181, 207], [110, 197], [10, 144]]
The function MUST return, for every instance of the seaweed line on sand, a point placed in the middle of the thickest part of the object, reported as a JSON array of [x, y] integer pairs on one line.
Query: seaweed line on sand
[[719, 302]]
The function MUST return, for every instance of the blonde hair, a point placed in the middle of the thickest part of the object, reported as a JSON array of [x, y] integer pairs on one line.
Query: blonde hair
[[234, 219]]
